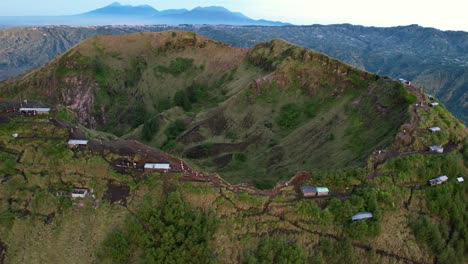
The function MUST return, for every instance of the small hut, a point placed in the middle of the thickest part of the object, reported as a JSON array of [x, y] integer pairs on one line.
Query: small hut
[[314, 191], [158, 166], [79, 193], [434, 129], [439, 180], [361, 215], [77, 142], [434, 104], [460, 179], [436, 148], [34, 111]]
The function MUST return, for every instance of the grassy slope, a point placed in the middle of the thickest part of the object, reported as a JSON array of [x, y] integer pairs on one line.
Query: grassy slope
[[260, 116], [77, 231]]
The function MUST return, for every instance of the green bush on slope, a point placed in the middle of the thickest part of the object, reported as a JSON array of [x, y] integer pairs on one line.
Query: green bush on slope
[[170, 233]]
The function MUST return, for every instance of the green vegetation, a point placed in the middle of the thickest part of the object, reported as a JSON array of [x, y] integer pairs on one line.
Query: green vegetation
[[176, 67], [276, 250], [168, 219], [289, 116], [444, 238], [150, 128], [7, 164], [175, 129], [173, 232], [181, 99]]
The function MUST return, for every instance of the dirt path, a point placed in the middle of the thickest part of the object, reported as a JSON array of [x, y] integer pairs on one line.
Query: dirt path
[[133, 149], [411, 130]]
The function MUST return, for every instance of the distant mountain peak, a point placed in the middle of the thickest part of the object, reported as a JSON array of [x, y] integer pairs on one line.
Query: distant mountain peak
[[211, 8], [115, 4]]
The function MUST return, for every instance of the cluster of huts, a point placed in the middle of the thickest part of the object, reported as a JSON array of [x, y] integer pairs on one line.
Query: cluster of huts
[[442, 179], [316, 191]]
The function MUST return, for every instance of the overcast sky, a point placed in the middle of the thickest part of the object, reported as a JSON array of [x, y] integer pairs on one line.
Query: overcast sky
[[444, 14]]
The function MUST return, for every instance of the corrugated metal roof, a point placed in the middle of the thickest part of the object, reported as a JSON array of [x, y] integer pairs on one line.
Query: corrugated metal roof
[[436, 147], [442, 178], [309, 189], [77, 142], [362, 215], [35, 109], [460, 179], [322, 189], [434, 104], [314, 189], [158, 166], [434, 129]]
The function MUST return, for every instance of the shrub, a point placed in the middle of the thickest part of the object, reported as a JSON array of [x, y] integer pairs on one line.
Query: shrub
[[176, 67], [7, 164], [276, 250], [289, 116], [116, 247], [150, 127], [181, 99], [175, 129], [172, 232]]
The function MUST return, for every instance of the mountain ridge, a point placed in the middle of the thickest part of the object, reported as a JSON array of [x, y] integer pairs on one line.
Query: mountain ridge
[[435, 60], [252, 115], [183, 73]]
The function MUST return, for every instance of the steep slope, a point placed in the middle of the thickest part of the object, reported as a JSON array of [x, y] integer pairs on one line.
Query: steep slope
[[274, 108], [254, 115], [435, 59], [187, 216]]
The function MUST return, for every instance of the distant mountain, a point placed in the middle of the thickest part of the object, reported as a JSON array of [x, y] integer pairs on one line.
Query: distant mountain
[[172, 12], [118, 14], [214, 15], [123, 10]]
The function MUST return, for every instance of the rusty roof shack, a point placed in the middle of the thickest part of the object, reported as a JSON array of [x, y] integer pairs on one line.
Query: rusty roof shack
[[439, 180], [436, 148], [314, 191], [361, 215], [157, 166]]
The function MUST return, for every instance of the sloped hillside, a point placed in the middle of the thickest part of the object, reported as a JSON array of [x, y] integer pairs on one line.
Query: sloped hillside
[[276, 115], [255, 115]]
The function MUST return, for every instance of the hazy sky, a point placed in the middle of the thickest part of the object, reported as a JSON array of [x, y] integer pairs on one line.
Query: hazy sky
[[444, 14]]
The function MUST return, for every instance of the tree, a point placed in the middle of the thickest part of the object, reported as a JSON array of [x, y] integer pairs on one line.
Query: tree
[[181, 99], [150, 127], [276, 250], [172, 232]]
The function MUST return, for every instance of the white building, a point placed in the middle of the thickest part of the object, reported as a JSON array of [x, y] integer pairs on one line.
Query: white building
[[79, 193], [77, 142], [163, 166], [436, 148], [34, 111], [434, 129], [438, 180]]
